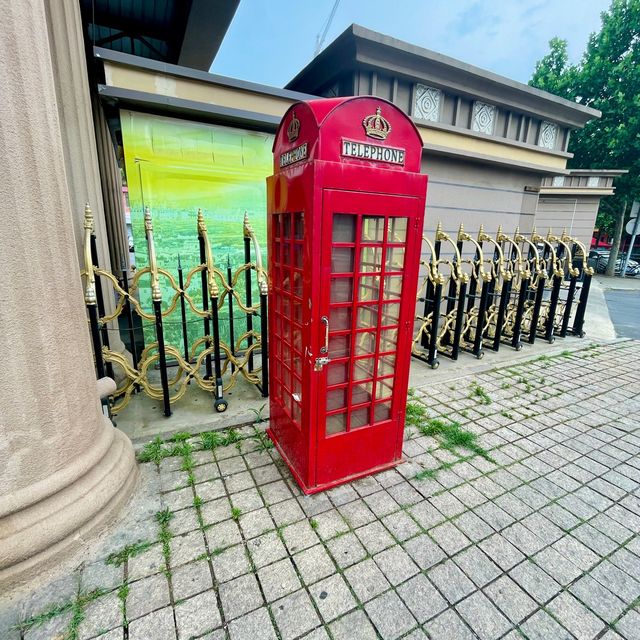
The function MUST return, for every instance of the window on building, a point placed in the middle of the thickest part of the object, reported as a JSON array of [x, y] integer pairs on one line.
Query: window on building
[[483, 118], [427, 103]]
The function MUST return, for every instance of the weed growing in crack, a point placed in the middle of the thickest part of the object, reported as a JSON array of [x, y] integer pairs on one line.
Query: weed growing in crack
[[259, 413], [478, 392], [263, 440], [163, 518], [236, 513], [131, 550]]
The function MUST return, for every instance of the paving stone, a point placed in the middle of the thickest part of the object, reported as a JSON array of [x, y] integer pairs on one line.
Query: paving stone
[[485, 620], [179, 499], [611, 528], [560, 516], [557, 566], [576, 552], [275, 492], [451, 581], [535, 581], [256, 523], [222, 535], [600, 600], [477, 566], [426, 515], [342, 494], [381, 503], [403, 493], [254, 626], [472, 526], [184, 521], [401, 526], [541, 626], [230, 564], [278, 580], [294, 615], [314, 564], [51, 595], [510, 599], [422, 598], [287, 512], [356, 513], [596, 541], [190, 579], [396, 565], [501, 551], [211, 490], [330, 524], [315, 504], [158, 625], [247, 500], [100, 615], [299, 536], [629, 625], [264, 474], [197, 615], [332, 597], [424, 551], [575, 616], [366, 580], [346, 550], [389, 615], [375, 537], [147, 595], [239, 596], [620, 582], [353, 626], [449, 537], [216, 511], [266, 549], [468, 495], [55, 627], [101, 575], [523, 539], [232, 465], [186, 548], [449, 626], [447, 504]]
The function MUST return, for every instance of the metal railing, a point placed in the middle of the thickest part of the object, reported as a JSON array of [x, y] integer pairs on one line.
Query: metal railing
[[479, 293]]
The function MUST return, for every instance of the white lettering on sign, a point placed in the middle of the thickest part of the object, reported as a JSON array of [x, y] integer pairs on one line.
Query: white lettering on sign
[[293, 156], [366, 151]]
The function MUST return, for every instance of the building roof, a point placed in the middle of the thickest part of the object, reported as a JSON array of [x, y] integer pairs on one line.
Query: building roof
[[358, 47], [184, 32]]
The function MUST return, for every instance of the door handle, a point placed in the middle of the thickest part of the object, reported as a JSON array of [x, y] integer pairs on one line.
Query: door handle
[[325, 322]]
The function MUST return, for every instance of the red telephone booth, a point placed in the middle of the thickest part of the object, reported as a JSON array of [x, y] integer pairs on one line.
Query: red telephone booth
[[345, 217]]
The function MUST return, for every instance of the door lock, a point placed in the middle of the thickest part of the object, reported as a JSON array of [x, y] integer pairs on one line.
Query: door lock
[[321, 362]]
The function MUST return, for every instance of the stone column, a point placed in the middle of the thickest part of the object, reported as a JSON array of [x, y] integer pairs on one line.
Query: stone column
[[64, 469], [78, 137]]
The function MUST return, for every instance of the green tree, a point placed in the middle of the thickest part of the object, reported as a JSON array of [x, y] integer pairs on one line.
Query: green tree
[[608, 79]]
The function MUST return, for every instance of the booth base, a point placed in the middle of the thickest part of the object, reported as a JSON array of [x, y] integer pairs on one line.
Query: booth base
[[317, 488]]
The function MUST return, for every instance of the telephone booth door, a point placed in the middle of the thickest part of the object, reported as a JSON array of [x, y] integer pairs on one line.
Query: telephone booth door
[[366, 308]]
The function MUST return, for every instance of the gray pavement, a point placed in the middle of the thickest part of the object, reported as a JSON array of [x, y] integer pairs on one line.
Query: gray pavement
[[529, 530], [624, 309]]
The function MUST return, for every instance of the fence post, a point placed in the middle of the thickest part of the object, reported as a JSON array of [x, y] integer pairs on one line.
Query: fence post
[[232, 337], [264, 339], [183, 313], [104, 330], [205, 293], [247, 280], [156, 296]]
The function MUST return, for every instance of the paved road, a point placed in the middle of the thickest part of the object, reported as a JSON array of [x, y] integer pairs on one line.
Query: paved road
[[624, 308]]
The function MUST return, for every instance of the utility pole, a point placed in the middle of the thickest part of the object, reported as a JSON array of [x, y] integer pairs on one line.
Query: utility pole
[[634, 225]]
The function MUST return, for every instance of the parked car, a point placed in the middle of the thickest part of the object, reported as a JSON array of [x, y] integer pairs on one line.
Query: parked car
[[599, 258]]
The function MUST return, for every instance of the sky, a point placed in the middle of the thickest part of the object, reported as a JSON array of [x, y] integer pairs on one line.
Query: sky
[[269, 41]]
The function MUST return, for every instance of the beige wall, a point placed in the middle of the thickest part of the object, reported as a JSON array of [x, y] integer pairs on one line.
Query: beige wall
[[575, 213]]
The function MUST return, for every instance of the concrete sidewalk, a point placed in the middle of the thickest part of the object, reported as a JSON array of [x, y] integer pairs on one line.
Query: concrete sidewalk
[[531, 531]]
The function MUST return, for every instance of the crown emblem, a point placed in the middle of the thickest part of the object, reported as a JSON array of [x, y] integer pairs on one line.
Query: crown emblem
[[293, 130], [375, 126]]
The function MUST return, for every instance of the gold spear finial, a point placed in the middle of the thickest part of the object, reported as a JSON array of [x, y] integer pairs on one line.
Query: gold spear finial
[[90, 286], [202, 226], [246, 226], [88, 217]]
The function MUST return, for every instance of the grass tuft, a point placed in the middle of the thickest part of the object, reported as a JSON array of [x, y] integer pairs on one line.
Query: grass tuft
[[131, 550], [478, 392]]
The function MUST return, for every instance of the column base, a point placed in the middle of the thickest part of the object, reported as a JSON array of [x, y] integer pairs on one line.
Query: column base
[[48, 526]]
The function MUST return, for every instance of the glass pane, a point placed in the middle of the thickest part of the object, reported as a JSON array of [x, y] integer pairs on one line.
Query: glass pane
[[297, 256], [297, 413], [344, 227], [369, 289], [397, 230], [341, 289], [392, 287], [340, 318], [395, 259], [363, 369], [365, 343], [388, 339], [297, 311], [342, 259], [286, 353], [384, 388], [286, 377], [286, 225], [339, 346], [337, 399], [371, 259], [298, 229], [372, 229], [286, 309], [360, 417], [386, 365], [297, 389], [286, 254], [361, 393], [337, 423], [297, 363], [338, 372], [297, 336], [297, 284], [390, 313], [276, 225], [382, 411], [367, 317]]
